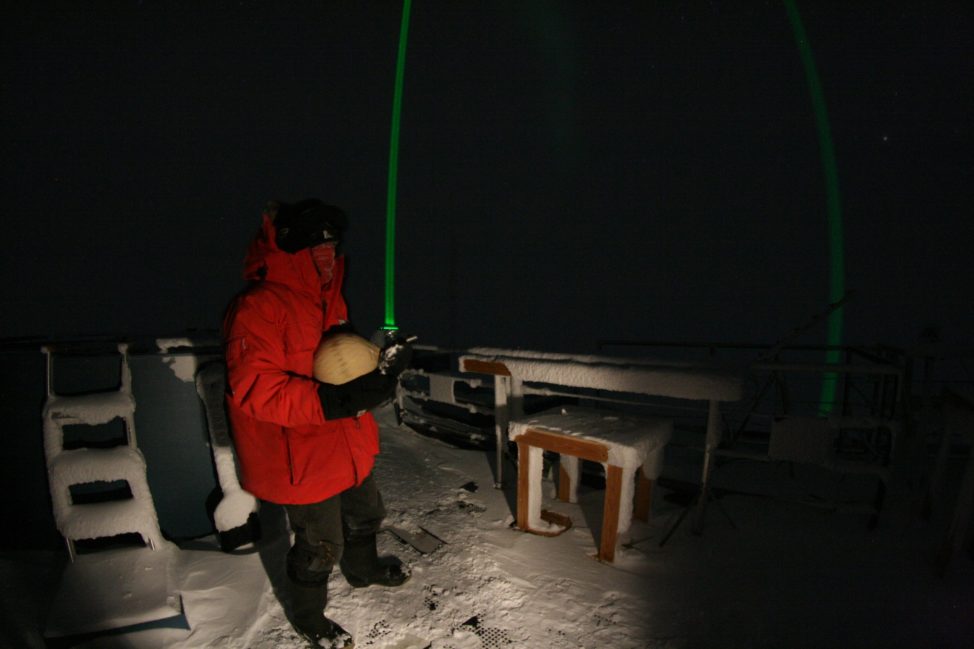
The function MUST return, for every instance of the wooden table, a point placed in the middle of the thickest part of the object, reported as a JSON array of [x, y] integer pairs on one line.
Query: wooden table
[[629, 447]]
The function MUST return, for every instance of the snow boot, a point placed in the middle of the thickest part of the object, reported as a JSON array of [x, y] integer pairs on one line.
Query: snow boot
[[306, 614], [362, 567]]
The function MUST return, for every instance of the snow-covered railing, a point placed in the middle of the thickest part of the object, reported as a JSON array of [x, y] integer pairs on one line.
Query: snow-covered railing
[[680, 380]]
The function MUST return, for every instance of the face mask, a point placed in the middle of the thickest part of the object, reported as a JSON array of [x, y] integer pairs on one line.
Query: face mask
[[324, 259]]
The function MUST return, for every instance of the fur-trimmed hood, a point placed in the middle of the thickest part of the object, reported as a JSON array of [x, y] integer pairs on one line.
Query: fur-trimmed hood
[[264, 261]]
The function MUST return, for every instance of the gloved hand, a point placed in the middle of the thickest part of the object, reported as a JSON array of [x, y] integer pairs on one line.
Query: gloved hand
[[396, 354], [343, 327], [358, 395]]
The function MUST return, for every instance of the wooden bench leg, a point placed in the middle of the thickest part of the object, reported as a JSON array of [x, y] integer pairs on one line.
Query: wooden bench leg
[[530, 516], [644, 496], [523, 484], [610, 513], [564, 484], [569, 476]]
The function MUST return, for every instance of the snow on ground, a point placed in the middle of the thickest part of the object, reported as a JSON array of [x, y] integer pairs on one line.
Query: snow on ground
[[765, 573]]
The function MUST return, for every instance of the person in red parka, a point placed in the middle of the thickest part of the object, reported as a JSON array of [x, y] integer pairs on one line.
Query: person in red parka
[[307, 445]]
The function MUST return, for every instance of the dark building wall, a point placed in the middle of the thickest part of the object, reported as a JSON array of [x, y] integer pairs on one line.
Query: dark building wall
[[25, 502]]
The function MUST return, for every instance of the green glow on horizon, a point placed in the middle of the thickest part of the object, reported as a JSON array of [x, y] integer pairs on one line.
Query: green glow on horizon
[[833, 203], [390, 300]]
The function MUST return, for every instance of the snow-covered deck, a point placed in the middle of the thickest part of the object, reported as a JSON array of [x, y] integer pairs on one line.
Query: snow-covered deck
[[785, 575]]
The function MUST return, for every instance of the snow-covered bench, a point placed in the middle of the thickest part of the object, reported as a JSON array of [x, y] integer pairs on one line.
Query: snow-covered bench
[[624, 444], [628, 447]]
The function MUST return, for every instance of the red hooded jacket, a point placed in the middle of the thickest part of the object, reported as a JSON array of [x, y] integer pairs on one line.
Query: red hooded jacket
[[288, 452]]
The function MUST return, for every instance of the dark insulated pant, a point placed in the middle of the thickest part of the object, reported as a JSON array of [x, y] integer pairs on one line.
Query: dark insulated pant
[[320, 530]]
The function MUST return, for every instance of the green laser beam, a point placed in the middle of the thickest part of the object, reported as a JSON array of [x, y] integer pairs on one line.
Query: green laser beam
[[390, 276], [833, 204]]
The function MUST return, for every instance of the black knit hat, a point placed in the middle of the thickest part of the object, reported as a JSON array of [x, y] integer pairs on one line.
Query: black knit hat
[[308, 223]]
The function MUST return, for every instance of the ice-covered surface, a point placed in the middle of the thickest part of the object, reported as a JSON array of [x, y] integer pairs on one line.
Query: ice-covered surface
[[182, 365], [89, 409], [535, 494], [667, 379], [591, 359], [82, 466], [630, 440], [106, 590], [226, 467], [237, 504], [67, 468], [786, 575], [234, 509], [97, 520]]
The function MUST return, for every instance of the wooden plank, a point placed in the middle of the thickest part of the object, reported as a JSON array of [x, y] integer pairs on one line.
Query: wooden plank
[[610, 513], [523, 483], [644, 496], [484, 367], [564, 485], [560, 522], [585, 449]]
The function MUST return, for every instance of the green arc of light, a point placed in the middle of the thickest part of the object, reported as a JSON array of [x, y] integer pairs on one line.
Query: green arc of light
[[833, 203], [390, 274]]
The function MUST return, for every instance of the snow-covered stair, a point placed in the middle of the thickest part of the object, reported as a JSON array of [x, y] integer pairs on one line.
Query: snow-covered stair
[[86, 409], [69, 468], [112, 518], [118, 587]]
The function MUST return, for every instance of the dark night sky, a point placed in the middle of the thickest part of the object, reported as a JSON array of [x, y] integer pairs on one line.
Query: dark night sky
[[569, 171]]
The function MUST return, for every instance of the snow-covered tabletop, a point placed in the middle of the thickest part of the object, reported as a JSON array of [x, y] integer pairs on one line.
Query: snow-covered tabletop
[[662, 378], [630, 440]]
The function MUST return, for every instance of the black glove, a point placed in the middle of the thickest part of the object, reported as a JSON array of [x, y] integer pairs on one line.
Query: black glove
[[358, 395], [344, 327], [396, 355]]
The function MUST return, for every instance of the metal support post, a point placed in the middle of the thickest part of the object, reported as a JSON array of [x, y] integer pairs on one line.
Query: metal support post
[[502, 418]]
